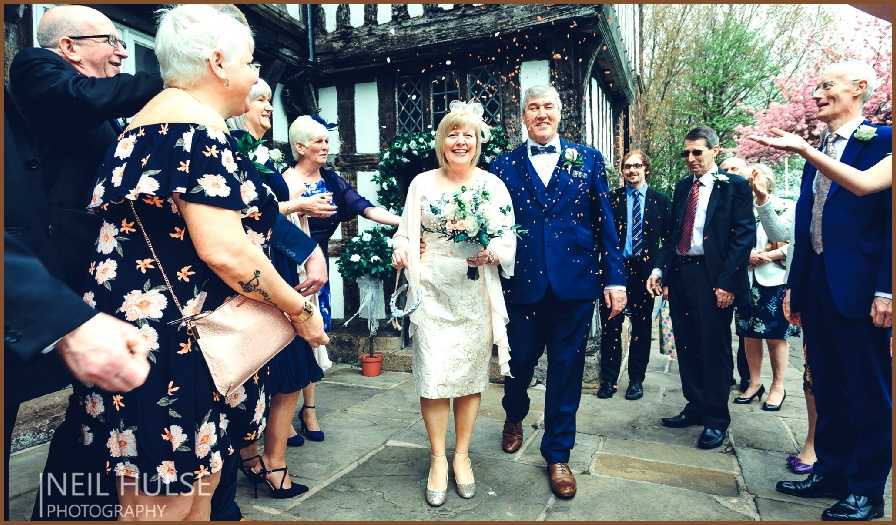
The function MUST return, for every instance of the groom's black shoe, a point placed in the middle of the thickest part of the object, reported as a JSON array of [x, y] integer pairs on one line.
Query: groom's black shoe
[[814, 486], [854, 508], [605, 390], [634, 391], [680, 421]]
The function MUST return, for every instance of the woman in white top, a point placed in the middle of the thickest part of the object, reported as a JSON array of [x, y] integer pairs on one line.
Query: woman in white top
[[458, 320], [765, 319]]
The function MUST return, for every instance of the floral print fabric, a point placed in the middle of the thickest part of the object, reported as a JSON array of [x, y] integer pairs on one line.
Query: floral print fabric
[[175, 428]]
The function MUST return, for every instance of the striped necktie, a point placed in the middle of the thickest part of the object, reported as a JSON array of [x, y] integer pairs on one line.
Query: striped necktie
[[690, 215], [637, 224], [822, 186]]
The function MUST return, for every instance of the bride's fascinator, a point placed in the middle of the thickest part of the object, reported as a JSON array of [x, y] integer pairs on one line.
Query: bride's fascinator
[[473, 108]]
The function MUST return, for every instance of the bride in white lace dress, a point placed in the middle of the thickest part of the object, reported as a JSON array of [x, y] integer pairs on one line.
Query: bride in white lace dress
[[458, 319]]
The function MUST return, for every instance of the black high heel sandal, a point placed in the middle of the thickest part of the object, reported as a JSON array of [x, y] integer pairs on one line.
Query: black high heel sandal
[[774, 408], [253, 476], [312, 435], [744, 400], [280, 492]]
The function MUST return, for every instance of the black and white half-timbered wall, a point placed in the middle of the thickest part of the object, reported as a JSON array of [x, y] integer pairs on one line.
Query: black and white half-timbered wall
[[379, 70]]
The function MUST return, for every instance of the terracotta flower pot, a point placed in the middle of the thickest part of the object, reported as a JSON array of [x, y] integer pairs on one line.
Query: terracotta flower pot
[[371, 366]]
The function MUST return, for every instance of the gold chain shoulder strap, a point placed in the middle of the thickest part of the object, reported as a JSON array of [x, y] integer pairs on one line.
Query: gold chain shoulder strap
[[156, 258]]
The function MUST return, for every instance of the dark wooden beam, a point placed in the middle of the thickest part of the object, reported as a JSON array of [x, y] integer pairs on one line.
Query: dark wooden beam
[[451, 30]]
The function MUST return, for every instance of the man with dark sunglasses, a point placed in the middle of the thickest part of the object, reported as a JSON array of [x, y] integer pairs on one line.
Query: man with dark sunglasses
[[703, 272], [70, 93]]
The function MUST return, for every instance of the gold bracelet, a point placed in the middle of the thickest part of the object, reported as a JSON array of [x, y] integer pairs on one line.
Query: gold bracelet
[[306, 313]]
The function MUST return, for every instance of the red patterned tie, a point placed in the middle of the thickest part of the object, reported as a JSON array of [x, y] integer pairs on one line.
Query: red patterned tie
[[690, 214]]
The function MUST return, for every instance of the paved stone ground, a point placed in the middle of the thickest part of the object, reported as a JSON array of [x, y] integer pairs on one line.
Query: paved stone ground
[[374, 461]]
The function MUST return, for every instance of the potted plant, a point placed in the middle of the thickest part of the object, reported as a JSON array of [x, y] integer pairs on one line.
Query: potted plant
[[367, 260]]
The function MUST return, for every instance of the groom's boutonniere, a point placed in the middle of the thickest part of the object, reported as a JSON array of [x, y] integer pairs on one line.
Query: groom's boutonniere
[[865, 133], [721, 178], [572, 162]]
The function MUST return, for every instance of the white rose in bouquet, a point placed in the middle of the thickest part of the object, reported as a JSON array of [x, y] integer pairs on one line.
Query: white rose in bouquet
[[262, 154], [276, 155]]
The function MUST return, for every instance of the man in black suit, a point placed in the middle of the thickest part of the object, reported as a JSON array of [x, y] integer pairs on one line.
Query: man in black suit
[[70, 92], [68, 95], [642, 218], [704, 272]]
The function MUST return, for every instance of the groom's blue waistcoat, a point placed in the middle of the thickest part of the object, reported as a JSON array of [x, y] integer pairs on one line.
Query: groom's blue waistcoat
[[571, 242]]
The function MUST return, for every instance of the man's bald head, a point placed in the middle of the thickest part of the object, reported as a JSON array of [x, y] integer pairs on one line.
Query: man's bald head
[[62, 30], [70, 20]]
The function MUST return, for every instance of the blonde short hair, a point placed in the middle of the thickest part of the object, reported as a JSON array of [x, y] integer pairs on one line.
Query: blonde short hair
[[305, 129], [456, 120]]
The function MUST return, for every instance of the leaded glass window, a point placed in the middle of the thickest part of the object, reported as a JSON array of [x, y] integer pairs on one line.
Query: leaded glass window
[[445, 89], [483, 85], [410, 105]]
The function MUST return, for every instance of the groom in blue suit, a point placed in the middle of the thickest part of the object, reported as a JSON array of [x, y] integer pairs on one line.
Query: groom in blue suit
[[560, 196], [840, 289]]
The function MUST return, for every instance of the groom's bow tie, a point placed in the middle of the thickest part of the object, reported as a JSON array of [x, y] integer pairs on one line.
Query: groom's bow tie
[[538, 150]]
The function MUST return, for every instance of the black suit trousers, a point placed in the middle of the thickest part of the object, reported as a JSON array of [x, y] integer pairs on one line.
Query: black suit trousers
[[639, 311], [703, 344]]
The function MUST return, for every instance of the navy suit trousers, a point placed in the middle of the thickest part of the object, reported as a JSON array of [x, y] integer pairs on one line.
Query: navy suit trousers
[[561, 327], [850, 363]]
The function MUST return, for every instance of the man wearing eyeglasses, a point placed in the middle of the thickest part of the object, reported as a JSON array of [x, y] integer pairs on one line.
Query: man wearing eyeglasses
[[840, 289], [68, 93], [641, 215], [703, 272]]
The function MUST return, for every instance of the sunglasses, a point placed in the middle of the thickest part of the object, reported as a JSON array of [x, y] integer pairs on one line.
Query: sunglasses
[[694, 152], [636, 165]]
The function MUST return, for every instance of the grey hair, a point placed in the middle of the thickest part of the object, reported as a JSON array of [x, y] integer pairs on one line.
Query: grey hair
[[258, 89], [856, 71], [541, 91], [709, 135], [64, 20], [187, 36], [741, 163], [304, 129], [766, 172]]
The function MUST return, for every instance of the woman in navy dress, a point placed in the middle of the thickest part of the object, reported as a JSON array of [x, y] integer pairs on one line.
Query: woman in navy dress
[[294, 367], [176, 175], [328, 201]]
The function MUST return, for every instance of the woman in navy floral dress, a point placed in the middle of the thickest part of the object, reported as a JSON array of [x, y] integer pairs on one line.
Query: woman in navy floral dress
[[331, 201], [177, 172]]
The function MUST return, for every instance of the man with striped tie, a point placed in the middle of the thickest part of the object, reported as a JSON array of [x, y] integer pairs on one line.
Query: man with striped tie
[[642, 218], [704, 272]]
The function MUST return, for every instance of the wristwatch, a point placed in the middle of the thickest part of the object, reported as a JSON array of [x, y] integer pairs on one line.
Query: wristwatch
[[304, 315]]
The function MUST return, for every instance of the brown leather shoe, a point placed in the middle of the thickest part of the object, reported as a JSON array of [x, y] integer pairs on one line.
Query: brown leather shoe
[[563, 483], [512, 436]]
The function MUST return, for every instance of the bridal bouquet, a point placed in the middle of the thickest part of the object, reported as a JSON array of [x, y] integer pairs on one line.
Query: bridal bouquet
[[469, 219]]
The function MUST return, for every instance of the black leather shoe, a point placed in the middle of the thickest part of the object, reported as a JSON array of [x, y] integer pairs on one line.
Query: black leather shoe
[[634, 391], [680, 421], [814, 486], [711, 438], [605, 390], [854, 508]]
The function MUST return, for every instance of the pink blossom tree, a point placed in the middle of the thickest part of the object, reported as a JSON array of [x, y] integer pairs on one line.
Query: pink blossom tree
[[868, 39]]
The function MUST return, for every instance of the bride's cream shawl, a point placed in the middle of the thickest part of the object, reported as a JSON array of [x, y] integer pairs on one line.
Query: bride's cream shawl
[[504, 248]]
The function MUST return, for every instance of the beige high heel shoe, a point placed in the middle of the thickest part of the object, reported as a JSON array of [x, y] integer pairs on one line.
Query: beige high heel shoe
[[437, 497], [465, 490]]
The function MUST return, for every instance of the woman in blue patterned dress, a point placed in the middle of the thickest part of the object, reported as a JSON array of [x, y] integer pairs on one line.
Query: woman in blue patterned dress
[[175, 176], [765, 321], [328, 201]]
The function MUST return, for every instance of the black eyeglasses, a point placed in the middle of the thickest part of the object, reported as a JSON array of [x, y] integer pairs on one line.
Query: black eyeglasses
[[636, 165], [112, 40], [694, 152]]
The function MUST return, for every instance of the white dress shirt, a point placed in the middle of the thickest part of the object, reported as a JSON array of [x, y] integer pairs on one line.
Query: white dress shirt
[[707, 182], [544, 163]]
